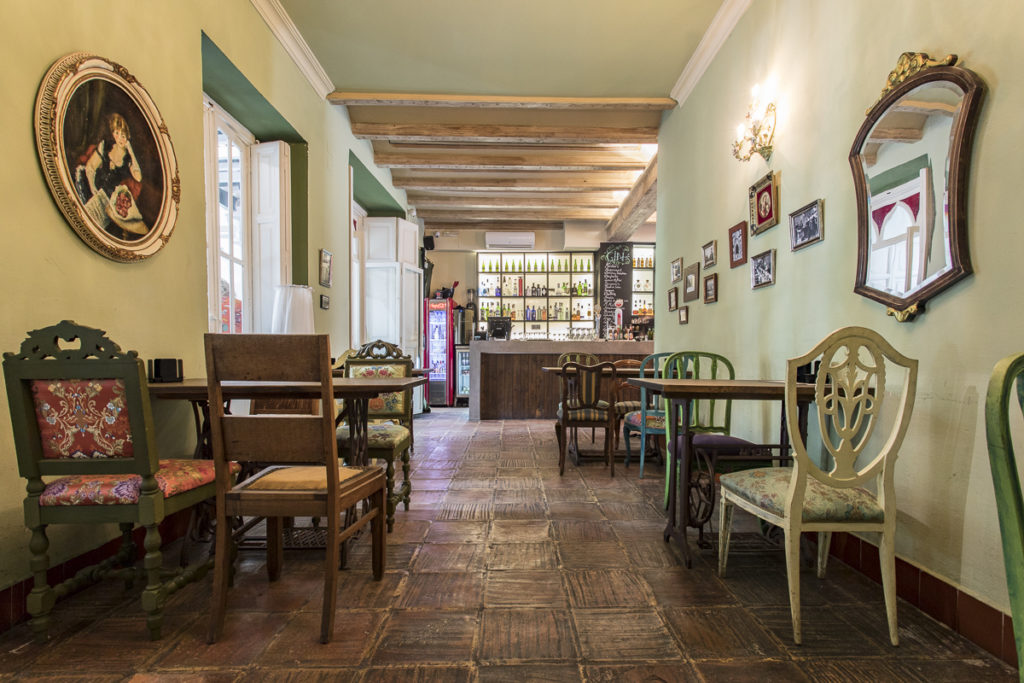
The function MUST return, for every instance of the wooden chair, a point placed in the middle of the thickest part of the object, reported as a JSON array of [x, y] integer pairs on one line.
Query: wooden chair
[[304, 479], [628, 395], [1005, 480], [649, 420], [390, 436], [583, 358], [851, 392], [83, 415], [581, 405]]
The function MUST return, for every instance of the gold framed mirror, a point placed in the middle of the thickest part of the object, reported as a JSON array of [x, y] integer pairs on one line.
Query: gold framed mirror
[[911, 169]]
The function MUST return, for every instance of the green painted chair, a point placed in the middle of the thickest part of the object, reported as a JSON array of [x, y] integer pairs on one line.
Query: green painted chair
[[649, 420], [81, 414], [1009, 502]]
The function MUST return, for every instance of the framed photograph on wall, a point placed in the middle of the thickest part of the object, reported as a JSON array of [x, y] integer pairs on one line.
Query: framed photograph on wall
[[806, 225], [325, 302], [326, 268], [762, 269], [673, 298], [107, 157], [711, 288], [738, 244], [691, 282], [764, 203], [710, 253], [684, 315], [677, 269]]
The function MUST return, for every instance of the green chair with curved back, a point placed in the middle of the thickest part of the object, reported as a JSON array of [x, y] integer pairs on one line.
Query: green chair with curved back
[[1009, 502], [81, 418], [649, 420], [710, 427]]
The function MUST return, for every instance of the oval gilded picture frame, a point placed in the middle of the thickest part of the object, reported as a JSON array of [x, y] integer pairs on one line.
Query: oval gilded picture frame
[[107, 157]]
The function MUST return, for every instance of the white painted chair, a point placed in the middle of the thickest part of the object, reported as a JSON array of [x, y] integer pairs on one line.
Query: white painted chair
[[850, 393]]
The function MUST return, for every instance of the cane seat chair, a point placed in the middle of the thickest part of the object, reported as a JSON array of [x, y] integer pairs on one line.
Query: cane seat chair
[[851, 392], [1009, 502], [390, 434], [303, 477], [628, 394], [649, 419], [82, 415], [582, 405]]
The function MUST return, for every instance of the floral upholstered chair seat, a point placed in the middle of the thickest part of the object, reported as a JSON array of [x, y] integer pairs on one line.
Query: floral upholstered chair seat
[[174, 476], [655, 419], [767, 487], [382, 435]]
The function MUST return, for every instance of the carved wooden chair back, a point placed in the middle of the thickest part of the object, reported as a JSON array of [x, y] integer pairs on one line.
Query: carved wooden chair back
[[380, 349]]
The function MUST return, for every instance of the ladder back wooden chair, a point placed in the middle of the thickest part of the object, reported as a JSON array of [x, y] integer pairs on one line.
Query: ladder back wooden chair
[[649, 419], [851, 391], [390, 433], [82, 414], [1006, 381], [304, 476], [582, 405]]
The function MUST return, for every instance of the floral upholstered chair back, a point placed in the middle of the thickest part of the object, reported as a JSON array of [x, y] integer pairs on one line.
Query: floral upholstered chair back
[[396, 405], [79, 405]]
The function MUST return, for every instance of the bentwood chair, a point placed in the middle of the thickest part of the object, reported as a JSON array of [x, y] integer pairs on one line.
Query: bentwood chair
[[82, 415], [582, 405], [303, 477], [851, 394], [1009, 502], [389, 436], [649, 420]]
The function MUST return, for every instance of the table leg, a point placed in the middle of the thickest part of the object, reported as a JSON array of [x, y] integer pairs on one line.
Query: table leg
[[677, 528]]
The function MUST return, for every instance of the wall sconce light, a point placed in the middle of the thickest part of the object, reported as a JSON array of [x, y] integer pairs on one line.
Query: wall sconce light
[[755, 134]]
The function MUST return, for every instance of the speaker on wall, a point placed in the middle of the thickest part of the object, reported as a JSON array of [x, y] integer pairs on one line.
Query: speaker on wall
[[428, 242]]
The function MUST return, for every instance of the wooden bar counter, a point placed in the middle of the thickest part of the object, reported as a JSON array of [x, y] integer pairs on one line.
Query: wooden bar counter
[[506, 381]]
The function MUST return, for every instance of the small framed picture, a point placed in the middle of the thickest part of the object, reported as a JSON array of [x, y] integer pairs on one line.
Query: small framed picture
[[711, 288], [710, 253], [677, 270], [764, 203], [806, 225], [684, 315], [738, 244], [673, 298], [762, 269], [325, 301], [691, 282], [326, 268]]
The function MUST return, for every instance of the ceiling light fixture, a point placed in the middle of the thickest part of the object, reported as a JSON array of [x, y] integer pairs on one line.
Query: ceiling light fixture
[[756, 133]]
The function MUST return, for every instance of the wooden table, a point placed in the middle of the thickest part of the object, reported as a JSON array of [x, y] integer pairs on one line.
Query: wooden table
[[356, 392], [680, 392]]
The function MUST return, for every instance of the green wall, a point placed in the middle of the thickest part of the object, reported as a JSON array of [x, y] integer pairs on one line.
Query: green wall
[[830, 59], [157, 307]]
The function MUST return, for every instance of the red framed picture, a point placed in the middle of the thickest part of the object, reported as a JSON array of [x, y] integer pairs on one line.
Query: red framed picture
[[764, 203]]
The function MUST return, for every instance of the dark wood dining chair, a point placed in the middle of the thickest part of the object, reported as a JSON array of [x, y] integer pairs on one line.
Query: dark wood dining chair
[[81, 417], [583, 358], [588, 394], [303, 476]]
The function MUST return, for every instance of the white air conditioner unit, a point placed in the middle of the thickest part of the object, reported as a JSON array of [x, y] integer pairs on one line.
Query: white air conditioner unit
[[509, 240]]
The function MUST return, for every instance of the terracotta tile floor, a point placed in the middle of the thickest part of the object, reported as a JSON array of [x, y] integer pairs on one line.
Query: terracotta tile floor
[[504, 571]]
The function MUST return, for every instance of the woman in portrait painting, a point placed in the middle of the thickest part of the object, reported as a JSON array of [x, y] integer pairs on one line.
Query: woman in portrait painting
[[109, 180]]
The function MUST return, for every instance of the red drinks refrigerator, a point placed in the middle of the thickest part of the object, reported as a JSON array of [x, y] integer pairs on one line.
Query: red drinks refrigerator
[[439, 352]]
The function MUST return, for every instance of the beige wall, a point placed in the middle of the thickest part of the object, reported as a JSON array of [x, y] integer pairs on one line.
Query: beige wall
[[157, 307], [830, 60]]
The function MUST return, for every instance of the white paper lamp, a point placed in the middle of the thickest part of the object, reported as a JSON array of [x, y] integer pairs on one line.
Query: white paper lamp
[[293, 310]]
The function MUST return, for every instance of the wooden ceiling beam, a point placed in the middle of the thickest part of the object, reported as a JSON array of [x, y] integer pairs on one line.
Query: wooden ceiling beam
[[637, 207], [513, 134], [530, 182], [342, 97], [458, 216], [895, 135], [430, 226], [597, 200], [492, 159]]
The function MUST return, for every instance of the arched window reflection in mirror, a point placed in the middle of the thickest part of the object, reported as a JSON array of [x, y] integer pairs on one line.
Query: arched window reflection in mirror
[[910, 164]]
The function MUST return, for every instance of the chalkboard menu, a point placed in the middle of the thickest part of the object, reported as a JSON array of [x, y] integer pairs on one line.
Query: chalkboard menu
[[614, 263]]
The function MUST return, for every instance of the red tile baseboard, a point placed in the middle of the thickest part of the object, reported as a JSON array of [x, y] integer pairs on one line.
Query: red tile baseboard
[[984, 625], [12, 598]]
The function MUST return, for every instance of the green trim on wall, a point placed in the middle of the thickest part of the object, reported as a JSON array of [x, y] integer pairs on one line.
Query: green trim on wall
[[896, 176], [228, 87], [369, 193]]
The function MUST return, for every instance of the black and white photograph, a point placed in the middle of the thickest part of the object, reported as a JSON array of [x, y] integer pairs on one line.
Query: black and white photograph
[[684, 315], [806, 225], [691, 282], [710, 253], [738, 244], [673, 298], [677, 269], [762, 269], [711, 288]]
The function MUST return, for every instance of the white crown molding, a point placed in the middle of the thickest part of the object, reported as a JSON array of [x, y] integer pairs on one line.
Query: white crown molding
[[284, 29], [721, 26]]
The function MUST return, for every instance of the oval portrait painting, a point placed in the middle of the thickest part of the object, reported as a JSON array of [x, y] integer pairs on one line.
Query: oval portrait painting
[[107, 157]]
